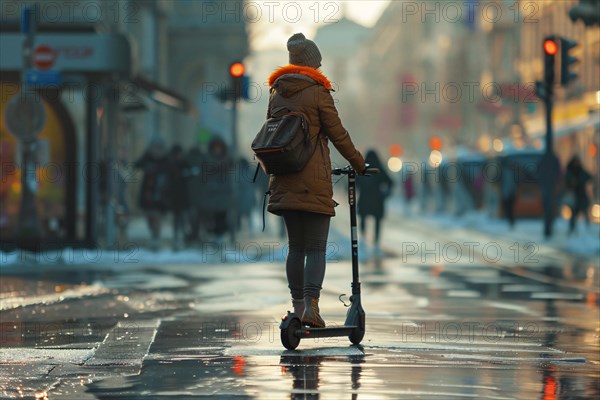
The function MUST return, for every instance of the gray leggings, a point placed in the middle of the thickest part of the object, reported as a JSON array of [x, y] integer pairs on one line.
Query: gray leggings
[[307, 238]]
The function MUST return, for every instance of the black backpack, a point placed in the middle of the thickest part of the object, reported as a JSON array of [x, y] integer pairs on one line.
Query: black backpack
[[283, 144]]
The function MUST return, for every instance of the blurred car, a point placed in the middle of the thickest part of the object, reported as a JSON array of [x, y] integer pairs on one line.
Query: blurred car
[[528, 202]]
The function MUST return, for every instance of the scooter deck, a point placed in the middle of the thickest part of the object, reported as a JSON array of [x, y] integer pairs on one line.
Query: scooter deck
[[324, 332]]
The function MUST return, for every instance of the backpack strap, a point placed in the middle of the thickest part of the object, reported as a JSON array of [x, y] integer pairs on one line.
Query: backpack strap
[[276, 111], [268, 192], [256, 172]]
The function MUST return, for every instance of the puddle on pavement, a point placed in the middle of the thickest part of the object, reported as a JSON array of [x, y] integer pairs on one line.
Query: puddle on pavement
[[302, 376], [196, 358], [220, 356], [578, 282], [64, 334]]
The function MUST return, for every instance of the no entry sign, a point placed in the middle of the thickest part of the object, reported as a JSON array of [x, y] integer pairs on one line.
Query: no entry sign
[[43, 57]]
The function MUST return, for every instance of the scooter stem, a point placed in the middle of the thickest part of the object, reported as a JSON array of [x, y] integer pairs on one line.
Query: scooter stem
[[353, 231]]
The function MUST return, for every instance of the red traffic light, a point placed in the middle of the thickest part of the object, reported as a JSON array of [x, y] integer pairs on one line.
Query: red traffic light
[[236, 69], [550, 47], [435, 143], [396, 150]]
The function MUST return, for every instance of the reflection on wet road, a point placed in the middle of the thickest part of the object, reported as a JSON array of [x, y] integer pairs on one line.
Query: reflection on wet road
[[430, 334], [223, 364]]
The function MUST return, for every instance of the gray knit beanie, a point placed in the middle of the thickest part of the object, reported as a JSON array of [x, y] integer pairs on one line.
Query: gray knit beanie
[[303, 51]]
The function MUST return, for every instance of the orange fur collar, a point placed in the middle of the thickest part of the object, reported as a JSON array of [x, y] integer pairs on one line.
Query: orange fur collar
[[299, 69]]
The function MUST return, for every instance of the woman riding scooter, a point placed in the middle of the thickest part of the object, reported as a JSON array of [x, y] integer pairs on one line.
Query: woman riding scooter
[[305, 198]]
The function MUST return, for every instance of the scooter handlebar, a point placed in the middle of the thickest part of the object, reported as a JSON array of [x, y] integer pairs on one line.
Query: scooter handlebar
[[348, 169], [371, 171]]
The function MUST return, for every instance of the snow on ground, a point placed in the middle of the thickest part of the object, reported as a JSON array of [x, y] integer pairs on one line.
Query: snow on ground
[[134, 255], [584, 242], [9, 301]]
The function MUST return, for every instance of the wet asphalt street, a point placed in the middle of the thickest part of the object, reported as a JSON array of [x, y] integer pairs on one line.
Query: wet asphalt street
[[441, 324]]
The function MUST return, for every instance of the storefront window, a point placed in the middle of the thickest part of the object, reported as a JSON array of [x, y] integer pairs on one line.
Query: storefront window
[[50, 179]]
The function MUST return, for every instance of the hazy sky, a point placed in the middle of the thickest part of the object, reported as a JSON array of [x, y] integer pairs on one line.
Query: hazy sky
[[275, 21]]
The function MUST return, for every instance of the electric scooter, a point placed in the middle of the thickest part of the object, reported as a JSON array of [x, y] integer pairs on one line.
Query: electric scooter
[[291, 327]]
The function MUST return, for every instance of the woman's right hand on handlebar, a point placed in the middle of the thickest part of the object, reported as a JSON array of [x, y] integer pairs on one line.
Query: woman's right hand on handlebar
[[369, 170]]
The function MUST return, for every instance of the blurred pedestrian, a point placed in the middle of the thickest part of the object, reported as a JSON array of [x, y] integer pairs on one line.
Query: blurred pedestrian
[[218, 179], [122, 211], [427, 185], [153, 193], [508, 191], [305, 198], [491, 189], [478, 187], [372, 192], [197, 194], [409, 190], [179, 175], [576, 179], [443, 198]]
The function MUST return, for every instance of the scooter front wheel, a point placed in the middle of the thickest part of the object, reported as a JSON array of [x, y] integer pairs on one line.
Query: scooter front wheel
[[288, 335], [357, 335]]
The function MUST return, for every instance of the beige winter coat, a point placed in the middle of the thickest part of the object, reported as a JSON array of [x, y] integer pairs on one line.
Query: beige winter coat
[[307, 90]]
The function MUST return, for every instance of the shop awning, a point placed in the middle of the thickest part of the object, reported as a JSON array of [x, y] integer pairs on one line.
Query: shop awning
[[145, 92], [537, 127]]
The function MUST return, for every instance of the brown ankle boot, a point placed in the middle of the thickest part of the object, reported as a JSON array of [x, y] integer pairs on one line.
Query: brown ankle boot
[[298, 305], [311, 315]]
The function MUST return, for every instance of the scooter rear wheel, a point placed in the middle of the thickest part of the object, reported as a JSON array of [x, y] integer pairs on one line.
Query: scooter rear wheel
[[288, 335]]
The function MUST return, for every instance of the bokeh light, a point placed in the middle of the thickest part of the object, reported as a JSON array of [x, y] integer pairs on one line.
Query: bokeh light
[[394, 164]]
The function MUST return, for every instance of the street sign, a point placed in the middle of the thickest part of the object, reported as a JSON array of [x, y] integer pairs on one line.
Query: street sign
[[43, 57], [41, 78], [34, 77], [25, 115]]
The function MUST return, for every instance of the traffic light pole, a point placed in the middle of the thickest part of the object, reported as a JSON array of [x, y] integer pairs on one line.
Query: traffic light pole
[[234, 156], [234, 123], [236, 73], [30, 231], [549, 171], [548, 103], [549, 166]]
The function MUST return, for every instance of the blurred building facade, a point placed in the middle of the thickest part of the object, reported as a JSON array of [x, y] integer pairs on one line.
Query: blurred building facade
[[339, 43], [576, 113], [99, 118], [417, 77], [466, 73], [204, 38]]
